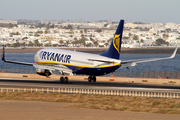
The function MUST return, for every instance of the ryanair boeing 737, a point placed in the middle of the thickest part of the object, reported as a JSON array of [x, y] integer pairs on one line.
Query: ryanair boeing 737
[[72, 62]]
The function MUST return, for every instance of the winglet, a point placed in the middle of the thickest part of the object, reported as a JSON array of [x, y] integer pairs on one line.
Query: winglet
[[174, 53], [3, 57], [15, 62]]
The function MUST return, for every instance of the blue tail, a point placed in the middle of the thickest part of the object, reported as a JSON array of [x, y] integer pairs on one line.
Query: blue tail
[[115, 47]]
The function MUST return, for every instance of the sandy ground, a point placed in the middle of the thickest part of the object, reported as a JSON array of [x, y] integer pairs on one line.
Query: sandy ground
[[23, 110]]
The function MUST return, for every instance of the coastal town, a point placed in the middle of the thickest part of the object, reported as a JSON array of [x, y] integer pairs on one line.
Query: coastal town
[[80, 33]]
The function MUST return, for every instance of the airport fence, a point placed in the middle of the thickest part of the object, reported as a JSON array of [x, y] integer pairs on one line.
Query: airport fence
[[95, 92], [165, 75]]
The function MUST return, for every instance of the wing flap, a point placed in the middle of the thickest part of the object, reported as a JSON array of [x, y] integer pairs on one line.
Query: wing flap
[[53, 68]]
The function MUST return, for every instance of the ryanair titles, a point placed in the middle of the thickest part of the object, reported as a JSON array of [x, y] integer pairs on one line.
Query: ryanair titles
[[44, 55]]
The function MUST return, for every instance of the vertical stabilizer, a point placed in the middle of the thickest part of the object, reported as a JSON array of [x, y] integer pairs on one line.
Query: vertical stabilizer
[[115, 47]]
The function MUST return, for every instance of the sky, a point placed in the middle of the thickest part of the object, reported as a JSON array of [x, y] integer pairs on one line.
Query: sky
[[161, 11]]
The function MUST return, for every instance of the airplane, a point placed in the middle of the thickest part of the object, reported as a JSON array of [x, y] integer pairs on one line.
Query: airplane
[[72, 62]]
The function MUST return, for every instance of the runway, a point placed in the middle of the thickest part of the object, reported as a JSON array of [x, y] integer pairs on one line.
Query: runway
[[33, 83]]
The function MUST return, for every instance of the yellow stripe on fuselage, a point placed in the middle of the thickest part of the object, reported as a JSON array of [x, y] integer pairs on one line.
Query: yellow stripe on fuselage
[[105, 66], [40, 72]]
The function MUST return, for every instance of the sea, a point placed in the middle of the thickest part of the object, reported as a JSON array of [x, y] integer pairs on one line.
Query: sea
[[140, 70]]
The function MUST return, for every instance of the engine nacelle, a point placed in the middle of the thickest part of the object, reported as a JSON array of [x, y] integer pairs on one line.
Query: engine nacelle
[[43, 72]]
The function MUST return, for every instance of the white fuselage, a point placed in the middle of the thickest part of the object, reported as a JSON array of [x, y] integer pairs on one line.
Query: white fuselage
[[72, 59]]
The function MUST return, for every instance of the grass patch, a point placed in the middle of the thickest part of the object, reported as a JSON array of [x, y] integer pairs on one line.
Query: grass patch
[[155, 103], [136, 104]]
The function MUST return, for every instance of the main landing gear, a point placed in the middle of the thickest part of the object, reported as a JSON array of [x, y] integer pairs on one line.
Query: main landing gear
[[92, 78], [64, 79]]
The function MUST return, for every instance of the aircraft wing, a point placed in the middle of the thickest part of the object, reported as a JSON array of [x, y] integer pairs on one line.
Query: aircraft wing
[[53, 68], [134, 62], [15, 62]]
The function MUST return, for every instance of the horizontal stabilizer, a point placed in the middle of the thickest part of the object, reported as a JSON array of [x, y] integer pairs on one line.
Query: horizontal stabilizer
[[105, 61]]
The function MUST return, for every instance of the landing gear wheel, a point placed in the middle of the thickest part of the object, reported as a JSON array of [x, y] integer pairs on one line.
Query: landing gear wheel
[[92, 79], [66, 79], [62, 80]]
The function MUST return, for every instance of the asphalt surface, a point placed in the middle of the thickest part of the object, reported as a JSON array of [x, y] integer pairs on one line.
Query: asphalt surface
[[32, 83]]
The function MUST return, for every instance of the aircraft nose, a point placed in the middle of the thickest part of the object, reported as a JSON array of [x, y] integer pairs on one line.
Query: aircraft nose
[[36, 57]]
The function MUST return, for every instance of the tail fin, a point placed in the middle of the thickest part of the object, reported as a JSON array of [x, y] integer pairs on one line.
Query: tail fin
[[115, 47]]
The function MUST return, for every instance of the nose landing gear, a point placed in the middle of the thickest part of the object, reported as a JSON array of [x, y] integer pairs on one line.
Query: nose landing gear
[[64, 80], [92, 78]]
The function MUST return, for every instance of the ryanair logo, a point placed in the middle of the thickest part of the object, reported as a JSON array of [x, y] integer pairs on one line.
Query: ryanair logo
[[55, 57], [116, 42]]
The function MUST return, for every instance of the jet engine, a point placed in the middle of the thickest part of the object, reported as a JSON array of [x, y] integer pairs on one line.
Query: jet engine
[[43, 72]]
